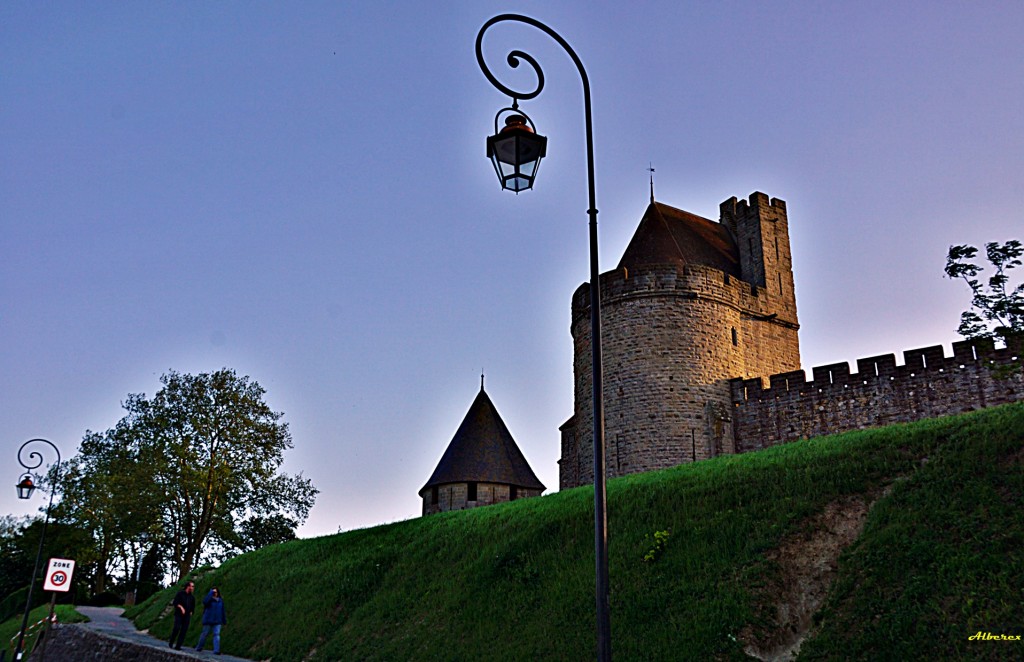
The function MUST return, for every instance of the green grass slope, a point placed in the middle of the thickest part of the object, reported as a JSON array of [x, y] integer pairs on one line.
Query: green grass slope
[[10, 628], [939, 559]]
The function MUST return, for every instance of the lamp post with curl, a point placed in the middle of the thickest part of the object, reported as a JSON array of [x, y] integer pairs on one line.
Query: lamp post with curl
[[516, 152], [25, 489]]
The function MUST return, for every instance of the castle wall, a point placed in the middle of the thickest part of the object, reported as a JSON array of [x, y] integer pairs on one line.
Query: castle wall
[[671, 339], [929, 384], [768, 346], [573, 437], [454, 496], [685, 350]]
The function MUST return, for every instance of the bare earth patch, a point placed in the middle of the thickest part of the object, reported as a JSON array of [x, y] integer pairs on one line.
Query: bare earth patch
[[808, 564]]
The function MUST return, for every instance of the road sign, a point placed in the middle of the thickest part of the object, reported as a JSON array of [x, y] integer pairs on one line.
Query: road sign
[[58, 575]]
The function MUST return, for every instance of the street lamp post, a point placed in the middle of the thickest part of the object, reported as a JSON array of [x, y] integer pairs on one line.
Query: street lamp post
[[25, 489], [526, 159]]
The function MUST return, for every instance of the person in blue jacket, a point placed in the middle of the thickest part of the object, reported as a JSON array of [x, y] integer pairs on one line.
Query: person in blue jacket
[[214, 616]]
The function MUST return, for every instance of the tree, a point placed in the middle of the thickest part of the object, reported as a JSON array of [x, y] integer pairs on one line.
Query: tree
[[15, 557], [257, 532], [191, 469], [997, 309], [19, 544], [106, 492]]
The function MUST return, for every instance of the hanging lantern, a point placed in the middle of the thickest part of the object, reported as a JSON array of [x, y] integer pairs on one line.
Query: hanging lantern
[[516, 151], [26, 487]]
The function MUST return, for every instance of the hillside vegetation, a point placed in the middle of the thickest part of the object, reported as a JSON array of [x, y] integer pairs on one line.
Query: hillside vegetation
[[933, 510], [10, 628]]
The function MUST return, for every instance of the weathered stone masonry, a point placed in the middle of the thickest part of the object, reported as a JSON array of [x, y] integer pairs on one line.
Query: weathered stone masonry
[[693, 304], [455, 496], [929, 384], [696, 315]]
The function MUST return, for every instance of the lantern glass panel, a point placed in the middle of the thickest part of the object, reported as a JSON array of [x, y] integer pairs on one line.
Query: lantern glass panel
[[516, 154], [529, 169], [506, 148], [517, 183]]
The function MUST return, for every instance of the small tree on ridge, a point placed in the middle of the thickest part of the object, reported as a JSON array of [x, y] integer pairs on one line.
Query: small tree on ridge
[[997, 308]]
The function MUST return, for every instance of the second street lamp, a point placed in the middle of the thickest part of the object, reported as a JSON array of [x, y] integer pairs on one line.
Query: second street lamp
[[604, 645], [25, 489]]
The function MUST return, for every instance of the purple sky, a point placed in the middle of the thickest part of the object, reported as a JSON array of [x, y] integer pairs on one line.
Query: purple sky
[[300, 192]]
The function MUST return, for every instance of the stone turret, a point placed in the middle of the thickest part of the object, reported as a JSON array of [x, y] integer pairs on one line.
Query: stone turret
[[481, 466], [692, 304]]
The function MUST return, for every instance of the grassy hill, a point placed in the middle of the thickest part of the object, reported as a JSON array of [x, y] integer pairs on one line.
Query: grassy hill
[[933, 511], [10, 628]]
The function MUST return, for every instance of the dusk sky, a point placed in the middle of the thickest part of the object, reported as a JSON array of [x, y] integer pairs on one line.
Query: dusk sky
[[300, 192]]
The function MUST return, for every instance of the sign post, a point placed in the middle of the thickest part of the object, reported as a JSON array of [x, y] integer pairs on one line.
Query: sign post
[[58, 580]]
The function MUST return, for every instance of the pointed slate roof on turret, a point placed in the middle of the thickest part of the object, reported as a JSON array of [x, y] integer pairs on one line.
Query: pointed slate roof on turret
[[667, 235], [483, 450]]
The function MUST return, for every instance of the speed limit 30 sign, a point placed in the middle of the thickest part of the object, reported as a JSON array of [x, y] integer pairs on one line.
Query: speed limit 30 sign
[[58, 575]]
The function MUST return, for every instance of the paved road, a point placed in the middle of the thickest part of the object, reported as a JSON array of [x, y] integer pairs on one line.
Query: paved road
[[107, 621]]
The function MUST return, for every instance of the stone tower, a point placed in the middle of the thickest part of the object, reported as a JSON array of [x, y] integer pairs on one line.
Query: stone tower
[[481, 466], [692, 304]]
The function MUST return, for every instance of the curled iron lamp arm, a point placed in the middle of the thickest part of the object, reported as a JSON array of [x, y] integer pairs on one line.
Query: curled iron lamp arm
[[35, 457], [600, 497], [513, 61]]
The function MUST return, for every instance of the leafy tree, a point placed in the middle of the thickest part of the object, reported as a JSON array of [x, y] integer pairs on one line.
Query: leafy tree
[[106, 491], [257, 532], [19, 544], [15, 558], [218, 448], [997, 308], [208, 449]]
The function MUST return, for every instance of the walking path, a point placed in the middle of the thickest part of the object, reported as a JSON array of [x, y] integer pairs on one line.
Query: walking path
[[108, 622]]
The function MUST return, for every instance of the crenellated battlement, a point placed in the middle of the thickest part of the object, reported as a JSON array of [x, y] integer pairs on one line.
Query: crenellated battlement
[[917, 363], [691, 281], [733, 207], [698, 308], [880, 392]]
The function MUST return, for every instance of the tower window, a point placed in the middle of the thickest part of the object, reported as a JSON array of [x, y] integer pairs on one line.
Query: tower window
[[433, 495], [471, 492], [513, 493], [735, 337], [780, 283]]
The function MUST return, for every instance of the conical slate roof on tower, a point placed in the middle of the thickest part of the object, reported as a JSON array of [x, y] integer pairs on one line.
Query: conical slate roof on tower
[[483, 450], [667, 235]]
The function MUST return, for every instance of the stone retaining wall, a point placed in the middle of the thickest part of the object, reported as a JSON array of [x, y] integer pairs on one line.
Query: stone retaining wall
[[74, 643]]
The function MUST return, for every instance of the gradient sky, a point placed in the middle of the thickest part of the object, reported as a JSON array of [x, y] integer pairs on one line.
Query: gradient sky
[[299, 191]]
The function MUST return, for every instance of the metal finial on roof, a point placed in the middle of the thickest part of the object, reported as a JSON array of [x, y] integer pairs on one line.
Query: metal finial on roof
[[650, 166], [481, 379]]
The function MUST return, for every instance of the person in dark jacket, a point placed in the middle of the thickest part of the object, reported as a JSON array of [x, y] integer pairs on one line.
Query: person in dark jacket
[[214, 616], [184, 605]]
